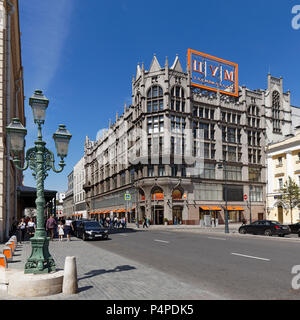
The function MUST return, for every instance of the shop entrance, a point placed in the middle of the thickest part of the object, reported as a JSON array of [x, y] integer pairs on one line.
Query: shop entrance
[[157, 215], [280, 214], [177, 215]]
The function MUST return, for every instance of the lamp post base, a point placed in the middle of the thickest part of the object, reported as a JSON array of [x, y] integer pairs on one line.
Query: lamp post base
[[40, 261]]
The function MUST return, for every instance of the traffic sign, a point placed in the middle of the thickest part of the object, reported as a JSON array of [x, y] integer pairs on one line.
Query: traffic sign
[[245, 197], [127, 196]]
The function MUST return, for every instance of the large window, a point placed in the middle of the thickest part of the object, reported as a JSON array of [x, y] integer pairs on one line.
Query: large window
[[255, 174], [205, 191], [234, 193], [155, 124], [155, 101], [276, 111], [177, 99], [233, 173], [177, 124], [256, 194]]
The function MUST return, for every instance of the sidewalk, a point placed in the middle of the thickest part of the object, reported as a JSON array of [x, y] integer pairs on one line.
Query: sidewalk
[[233, 228], [103, 275]]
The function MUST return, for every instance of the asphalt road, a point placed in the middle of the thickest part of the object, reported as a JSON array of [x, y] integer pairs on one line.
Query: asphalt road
[[232, 266]]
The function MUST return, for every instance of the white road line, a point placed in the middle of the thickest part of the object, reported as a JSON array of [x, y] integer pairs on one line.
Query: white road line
[[216, 238], [243, 255], [162, 241]]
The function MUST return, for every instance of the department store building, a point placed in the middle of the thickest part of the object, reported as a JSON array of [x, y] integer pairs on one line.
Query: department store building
[[179, 151]]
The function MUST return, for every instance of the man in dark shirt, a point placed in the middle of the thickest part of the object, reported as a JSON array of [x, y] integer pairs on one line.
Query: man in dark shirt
[[51, 226]]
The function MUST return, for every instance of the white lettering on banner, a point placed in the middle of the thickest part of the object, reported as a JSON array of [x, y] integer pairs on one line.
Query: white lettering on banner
[[296, 19], [295, 281]]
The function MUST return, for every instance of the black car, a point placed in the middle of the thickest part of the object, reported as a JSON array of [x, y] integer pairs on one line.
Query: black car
[[91, 230], [295, 228], [266, 227]]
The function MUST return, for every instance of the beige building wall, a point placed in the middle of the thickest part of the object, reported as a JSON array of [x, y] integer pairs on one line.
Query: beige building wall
[[11, 105], [283, 162]]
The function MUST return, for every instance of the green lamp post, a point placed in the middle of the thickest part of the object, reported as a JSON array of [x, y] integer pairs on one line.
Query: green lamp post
[[40, 160]]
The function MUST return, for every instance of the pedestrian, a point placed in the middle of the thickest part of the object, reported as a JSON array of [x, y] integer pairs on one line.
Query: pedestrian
[[145, 223], [60, 231], [22, 230], [51, 226], [68, 227], [31, 228], [14, 227], [243, 221], [148, 222]]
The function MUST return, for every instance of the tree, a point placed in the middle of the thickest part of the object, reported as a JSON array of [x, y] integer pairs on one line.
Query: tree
[[290, 194]]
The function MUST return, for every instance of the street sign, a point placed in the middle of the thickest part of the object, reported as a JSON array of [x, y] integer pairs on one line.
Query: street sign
[[245, 197], [127, 196]]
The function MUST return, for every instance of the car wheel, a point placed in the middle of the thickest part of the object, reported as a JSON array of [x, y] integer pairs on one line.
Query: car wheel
[[268, 232], [242, 231], [83, 237]]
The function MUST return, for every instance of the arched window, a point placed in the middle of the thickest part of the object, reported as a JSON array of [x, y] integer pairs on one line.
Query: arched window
[[155, 101], [276, 110], [177, 194], [177, 99]]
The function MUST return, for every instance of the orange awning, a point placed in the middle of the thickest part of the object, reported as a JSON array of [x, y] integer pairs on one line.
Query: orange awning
[[215, 208], [205, 208], [238, 208]]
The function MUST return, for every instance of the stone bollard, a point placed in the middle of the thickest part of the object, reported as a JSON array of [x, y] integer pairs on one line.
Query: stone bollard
[[13, 242], [3, 262], [8, 253], [9, 244], [70, 285]]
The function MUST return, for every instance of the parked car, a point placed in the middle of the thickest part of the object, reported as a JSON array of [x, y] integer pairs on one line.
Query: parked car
[[295, 228], [91, 230], [266, 227]]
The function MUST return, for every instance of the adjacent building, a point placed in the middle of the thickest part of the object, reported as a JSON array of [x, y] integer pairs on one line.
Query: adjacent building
[[11, 106], [283, 162], [68, 203], [178, 152], [78, 191]]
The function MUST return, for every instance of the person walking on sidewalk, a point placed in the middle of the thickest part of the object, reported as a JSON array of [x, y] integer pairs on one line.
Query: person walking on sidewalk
[[51, 226], [145, 223], [68, 228], [22, 230], [60, 231]]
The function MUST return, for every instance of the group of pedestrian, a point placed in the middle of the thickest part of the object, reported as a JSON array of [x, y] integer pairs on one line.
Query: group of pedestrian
[[25, 228], [61, 227], [114, 222]]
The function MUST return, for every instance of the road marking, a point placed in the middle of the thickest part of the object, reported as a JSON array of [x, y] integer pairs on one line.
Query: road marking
[[162, 241], [122, 234], [216, 238], [243, 255]]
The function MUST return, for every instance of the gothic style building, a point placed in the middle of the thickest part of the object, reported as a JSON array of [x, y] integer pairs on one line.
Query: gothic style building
[[180, 152]]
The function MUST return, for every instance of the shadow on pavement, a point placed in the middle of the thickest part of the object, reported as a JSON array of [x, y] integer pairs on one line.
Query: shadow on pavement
[[95, 273], [84, 288]]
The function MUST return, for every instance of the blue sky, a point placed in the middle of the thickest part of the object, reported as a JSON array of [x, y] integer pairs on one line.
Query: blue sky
[[83, 55]]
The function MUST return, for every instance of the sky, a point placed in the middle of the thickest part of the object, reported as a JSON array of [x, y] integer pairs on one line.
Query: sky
[[83, 55]]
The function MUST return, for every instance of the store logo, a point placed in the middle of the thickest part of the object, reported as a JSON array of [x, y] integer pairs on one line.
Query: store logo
[[213, 73], [296, 18]]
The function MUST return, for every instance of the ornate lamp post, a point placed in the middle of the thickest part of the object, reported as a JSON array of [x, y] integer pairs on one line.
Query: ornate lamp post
[[40, 160]]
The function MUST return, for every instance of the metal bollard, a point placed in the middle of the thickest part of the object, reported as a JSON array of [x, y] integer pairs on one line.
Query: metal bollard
[[13, 242]]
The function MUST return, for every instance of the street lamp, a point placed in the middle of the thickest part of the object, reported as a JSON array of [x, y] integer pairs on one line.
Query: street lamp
[[220, 166], [40, 160]]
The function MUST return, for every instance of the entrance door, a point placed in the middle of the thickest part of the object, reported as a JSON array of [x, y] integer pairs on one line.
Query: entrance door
[[158, 215], [177, 215], [280, 214]]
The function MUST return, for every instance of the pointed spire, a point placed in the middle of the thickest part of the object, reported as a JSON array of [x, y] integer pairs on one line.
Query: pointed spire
[[117, 116], [176, 65], [155, 66], [143, 67], [125, 107], [138, 71], [167, 63], [133, 79], [109, 123]]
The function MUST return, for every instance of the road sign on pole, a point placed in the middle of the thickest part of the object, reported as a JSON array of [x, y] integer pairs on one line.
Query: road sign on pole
[[245, 197], [127, 197]]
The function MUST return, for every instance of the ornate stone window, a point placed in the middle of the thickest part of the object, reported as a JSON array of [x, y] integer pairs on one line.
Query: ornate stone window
[[276, 111], [177, 99], [155, 101]]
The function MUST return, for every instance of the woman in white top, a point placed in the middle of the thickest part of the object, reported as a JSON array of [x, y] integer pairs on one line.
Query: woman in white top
[[68, 227], [31, 227]]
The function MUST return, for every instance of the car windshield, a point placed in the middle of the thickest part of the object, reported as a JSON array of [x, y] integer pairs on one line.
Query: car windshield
[[92, 225], [275, 222]]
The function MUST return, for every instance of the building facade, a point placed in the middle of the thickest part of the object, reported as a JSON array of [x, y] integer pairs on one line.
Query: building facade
[[11, 106], [78, 191], [283, 162], [68, 203], [180, 152]]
